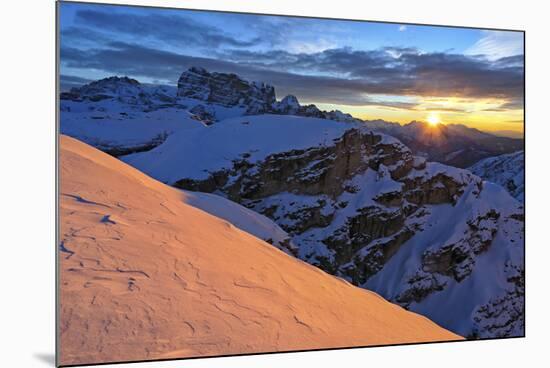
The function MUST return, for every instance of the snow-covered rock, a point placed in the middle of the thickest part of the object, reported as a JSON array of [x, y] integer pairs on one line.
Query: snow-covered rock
[[436, 239], [506, 170], [288, 105]]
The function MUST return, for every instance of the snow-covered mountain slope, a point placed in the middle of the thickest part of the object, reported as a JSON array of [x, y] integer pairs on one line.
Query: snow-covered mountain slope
[[119, 115], [145, 275], [506, 170], [196, 155], [452, 144], [243, 218], [361, 206]]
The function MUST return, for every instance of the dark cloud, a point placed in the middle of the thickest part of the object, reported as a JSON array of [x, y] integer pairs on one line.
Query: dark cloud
[[166, 28], [514, 104], [338, 76], [139, 61], [69, 81], [83, 37], [511, 61], [402, 71]]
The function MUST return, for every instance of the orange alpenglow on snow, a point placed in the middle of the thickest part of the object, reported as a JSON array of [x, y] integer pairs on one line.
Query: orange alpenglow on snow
[[144, 275]]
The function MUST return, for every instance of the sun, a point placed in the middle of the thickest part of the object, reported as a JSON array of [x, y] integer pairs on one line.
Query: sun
[[433, 119]]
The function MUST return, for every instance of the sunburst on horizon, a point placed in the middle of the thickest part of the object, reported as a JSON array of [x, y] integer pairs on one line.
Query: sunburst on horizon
[[433, 119]]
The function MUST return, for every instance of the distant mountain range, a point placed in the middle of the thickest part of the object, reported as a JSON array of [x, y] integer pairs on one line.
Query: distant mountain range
[[212, 97], [359, 199], [452, 144]]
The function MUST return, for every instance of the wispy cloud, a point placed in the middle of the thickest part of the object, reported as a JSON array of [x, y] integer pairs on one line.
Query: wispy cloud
[[299, 47], [498, 44], [178, 30], [402, 28]]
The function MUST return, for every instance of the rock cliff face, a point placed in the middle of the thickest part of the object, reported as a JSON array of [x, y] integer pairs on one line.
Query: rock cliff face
[[226, 89], [360, 205], [254, 98]]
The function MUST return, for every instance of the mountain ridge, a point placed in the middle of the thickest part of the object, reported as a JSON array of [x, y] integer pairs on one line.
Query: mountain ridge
[[210, 97]]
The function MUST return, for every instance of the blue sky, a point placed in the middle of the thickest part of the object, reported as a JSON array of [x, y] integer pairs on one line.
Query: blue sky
[[361, 67]]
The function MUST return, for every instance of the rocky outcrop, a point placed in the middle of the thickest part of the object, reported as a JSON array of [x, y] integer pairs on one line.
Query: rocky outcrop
[[103, 89], [203, 113], [225, 89], [289, 105], [125, 92], [230, 90]]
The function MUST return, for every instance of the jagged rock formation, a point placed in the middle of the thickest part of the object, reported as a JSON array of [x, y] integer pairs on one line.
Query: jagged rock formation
[[124, 90], [506, 170], [361, 206], [225, 89], [289, 105], [230, 90]]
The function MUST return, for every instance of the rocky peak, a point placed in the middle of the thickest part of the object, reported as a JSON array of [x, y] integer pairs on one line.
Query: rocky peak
[[104, 88], [225, 89], [288, 105], [110, 83], [338, 115]]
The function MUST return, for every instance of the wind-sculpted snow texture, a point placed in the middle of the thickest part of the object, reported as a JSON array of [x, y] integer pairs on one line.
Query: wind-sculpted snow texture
[[151, 272]]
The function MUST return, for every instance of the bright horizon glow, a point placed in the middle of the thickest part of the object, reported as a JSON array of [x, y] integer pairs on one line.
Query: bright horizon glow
[[433, 119], [479, 114]]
